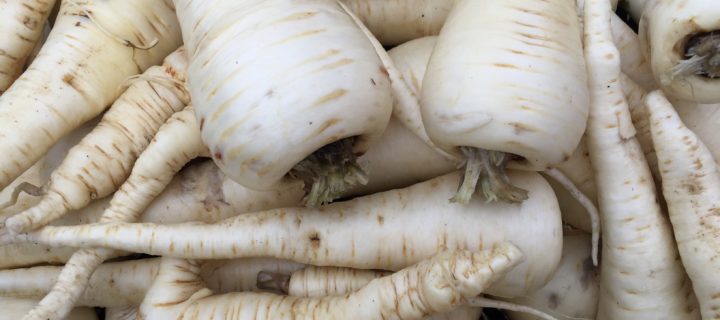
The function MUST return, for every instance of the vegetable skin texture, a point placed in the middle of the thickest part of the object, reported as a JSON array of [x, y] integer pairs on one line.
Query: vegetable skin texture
[[477, 100], [666, 30], [14, 308], [77, 73], [641, 277], [98, 165], [337, 234], [21, 24], [573, 291], [153, 170], [324, 83], [397, 22], [437, 284], [691, 185]]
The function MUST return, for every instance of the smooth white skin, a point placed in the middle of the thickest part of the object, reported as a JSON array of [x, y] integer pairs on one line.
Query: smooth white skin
[[77, 73], [521, 90], [273, 81], [381, 231], [664, 29], [396, 22], [636, 8], [632, 60], [102, 160], [21, 24], [691, 185], [641, 277], [573, 291], [14, 308]]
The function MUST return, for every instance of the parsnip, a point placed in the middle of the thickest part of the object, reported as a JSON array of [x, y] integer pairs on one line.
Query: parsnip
[[99, 164], [641, 277], [691, 185], [518, 95], [14, 308], [93, 47], [632, 60], [21, 24], [308, 68], [680, 37], [387, 230], [434, 285]]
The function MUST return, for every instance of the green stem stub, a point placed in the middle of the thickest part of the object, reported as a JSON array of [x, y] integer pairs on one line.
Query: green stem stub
[[273, 281], [329, 172], [488, 169], [702, 52]]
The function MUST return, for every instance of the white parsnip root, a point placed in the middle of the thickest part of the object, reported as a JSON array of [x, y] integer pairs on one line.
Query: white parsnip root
[[518, 96], [321, 84], [99, 164], [382, 231], [15, 308], [691, 185], [21, 26], [437, 284], [93, 47], [641, 277]]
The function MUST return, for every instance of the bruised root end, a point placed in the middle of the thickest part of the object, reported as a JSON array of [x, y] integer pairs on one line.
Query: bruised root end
[[488, 169], [702, 56], [329, 172]]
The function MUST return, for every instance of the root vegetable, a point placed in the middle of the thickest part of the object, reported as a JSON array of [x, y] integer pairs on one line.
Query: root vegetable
[[14, 308], [356, 233]]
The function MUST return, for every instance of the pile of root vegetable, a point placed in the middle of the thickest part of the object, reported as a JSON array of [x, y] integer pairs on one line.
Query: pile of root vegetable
[[359, 159]]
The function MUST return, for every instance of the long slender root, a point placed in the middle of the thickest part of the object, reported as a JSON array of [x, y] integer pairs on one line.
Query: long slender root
[[703, 57], [329, 172], [487, 168]]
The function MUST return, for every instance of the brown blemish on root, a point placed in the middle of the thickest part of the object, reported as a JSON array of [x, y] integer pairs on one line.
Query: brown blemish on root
[[335, 94], [553, 300], [381, 220], [314, 239]]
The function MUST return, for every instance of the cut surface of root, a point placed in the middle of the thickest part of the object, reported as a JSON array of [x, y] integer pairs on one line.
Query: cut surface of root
[[329, 172], [273, 281], [488, 169], [702, 53]]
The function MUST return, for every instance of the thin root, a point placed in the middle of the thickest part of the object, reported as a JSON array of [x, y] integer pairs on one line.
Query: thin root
[[488, 168], [586, 203], [329, 172]]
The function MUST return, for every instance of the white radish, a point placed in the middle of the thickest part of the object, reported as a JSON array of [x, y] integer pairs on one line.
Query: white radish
[[99, 164], [518, 95], [307, 67], [357, 233], [641, 277], [681, 40], [93, 47], [691, 185], [21, 24]]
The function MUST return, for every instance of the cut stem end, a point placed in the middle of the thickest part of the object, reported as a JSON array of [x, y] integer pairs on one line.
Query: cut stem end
[[329, 172], [487, 168]]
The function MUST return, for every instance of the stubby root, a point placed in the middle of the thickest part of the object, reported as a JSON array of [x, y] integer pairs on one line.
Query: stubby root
[[702, 52], [487, 168], [329, 172], [272, 281]]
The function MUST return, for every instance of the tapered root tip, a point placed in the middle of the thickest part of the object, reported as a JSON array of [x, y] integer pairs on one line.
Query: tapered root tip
[[329, 172], [702, 53], [488, 169]]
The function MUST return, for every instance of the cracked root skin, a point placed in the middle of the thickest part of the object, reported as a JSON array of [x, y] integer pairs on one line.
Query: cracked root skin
[[329, 172], [487, 168], [702, 53]]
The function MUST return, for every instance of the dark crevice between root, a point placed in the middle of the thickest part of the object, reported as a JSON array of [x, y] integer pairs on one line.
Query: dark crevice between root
[[273, 281], [329, 172], [702, 53], [487, 168]]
